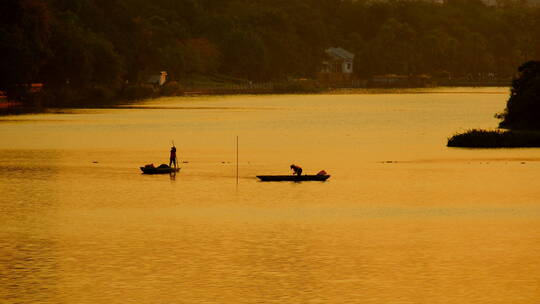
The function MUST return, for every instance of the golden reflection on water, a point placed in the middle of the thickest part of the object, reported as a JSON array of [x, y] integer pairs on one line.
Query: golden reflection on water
[[403, 218]]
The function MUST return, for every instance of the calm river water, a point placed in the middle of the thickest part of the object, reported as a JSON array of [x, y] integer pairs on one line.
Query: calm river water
[[403, 219]]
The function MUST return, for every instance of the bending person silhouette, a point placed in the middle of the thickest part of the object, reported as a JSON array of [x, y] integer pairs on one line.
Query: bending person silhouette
[[297, 169]]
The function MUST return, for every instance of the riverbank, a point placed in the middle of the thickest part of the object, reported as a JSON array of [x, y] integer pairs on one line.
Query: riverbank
[[100, 97], [477, 138]]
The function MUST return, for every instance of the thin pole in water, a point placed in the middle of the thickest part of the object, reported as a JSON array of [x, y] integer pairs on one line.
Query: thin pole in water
[[175, 158], [237, 160]]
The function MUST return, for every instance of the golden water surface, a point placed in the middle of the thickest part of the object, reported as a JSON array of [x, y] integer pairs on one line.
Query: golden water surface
[[403, 219]]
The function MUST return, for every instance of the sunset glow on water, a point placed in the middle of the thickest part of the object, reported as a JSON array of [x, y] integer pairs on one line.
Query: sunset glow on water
[[403, 218]]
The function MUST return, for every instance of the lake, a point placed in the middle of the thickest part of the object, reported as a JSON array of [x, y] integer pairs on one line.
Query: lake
[[403, 218]]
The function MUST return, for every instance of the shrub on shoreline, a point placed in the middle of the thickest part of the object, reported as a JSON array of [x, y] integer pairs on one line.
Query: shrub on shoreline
[[477, 138], [520, 117]]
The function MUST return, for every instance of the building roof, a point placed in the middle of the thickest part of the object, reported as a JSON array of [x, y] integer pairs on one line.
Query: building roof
[[340, 53]]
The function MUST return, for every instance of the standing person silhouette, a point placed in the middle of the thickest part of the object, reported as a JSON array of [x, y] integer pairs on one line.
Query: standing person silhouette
[[172, 159]]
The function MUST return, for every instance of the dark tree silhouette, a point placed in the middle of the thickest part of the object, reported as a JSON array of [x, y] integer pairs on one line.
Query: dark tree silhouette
[[523, 107], [24, 45]]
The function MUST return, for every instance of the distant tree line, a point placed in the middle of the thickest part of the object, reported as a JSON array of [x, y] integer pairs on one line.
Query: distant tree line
[[93, 49]]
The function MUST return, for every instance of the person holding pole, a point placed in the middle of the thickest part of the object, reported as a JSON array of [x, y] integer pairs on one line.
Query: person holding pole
[[172, 159]]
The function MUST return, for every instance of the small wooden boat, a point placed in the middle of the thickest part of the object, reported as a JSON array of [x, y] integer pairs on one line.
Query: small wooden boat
[[163, 169], [292, 178]]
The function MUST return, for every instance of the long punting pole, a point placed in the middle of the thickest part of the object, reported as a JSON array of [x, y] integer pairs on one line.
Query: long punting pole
[[236, 160]]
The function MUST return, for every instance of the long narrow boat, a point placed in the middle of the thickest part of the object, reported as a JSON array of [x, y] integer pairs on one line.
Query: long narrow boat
[[159, 170], [292, 178]]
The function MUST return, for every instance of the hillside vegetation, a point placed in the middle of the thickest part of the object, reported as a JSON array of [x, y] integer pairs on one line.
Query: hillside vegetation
[[89, 50]]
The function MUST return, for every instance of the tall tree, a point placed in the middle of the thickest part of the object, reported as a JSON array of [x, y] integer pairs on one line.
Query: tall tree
[[523, 107]]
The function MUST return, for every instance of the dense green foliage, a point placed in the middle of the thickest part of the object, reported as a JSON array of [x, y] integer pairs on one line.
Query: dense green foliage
[[495, 139], [90, 49], [523, 107]]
